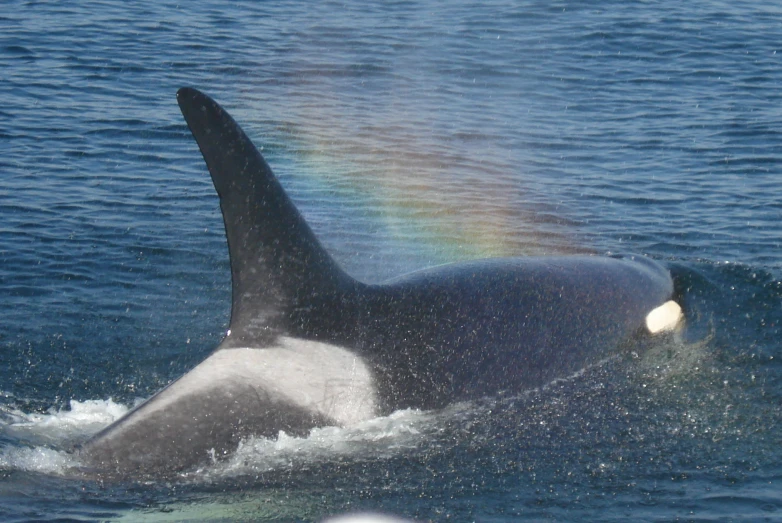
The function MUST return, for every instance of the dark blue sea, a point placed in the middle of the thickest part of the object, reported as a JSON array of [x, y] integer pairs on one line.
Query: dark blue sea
[[409, 134]]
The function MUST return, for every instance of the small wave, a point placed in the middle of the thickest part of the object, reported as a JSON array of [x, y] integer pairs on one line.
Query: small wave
[[39, 441], [378, 438], [36, 459], [61, 427]]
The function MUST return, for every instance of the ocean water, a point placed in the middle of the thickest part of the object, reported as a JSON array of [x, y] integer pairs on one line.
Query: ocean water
[[410, 134]]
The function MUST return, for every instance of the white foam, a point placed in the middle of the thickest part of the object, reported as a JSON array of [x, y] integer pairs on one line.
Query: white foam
[[36, 459], [61, 427], [375, 438], [43, 439]]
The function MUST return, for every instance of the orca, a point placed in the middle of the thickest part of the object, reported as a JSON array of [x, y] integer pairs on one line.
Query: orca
[[309, 346]]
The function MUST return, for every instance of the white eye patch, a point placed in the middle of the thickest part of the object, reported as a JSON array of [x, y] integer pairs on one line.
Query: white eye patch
[[664, 318]]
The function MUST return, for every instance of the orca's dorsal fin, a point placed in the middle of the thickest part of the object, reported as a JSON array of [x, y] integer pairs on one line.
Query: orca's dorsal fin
[[277, 263]]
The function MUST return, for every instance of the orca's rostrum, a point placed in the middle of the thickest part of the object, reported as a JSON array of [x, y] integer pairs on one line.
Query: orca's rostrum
[[310, 346]]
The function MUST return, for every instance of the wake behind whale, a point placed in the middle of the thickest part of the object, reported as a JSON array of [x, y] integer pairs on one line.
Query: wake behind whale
[[310, 346]]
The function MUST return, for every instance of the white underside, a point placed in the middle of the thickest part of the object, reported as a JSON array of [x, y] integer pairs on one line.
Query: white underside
[[321, 378]]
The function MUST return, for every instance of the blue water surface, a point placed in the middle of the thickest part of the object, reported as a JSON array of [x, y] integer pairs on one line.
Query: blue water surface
[[410, 134]]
